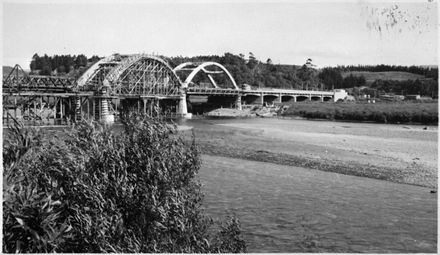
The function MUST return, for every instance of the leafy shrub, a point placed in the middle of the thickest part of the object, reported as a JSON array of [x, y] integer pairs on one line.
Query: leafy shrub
[[98, 190]]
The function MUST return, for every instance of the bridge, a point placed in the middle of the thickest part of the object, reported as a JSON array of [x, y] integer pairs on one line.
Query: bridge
[[119, 84]]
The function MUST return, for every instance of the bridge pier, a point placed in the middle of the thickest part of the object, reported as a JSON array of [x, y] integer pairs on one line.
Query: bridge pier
[[101, 110], [238, 102], [182, 110]]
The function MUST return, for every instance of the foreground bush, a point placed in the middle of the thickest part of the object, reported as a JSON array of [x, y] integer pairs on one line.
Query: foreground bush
[[99, 190]]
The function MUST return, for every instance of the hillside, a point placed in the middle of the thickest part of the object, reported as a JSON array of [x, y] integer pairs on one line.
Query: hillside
[[391, 75]]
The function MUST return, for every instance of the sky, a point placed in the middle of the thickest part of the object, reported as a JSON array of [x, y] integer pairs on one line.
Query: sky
[[288, 32]]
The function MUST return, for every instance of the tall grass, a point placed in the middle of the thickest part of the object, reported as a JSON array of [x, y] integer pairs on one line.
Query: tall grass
[[95, 190], [392, 112]]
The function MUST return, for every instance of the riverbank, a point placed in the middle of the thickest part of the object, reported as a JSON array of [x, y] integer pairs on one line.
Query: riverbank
[[246, 112], [397, 153], [384, 112]]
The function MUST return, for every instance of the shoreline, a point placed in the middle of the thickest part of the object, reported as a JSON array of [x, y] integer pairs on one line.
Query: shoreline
[[350, 168], [384, 154]]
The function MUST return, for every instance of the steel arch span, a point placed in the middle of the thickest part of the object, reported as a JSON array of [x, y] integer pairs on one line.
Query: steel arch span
[[136, 75], [202, 67]]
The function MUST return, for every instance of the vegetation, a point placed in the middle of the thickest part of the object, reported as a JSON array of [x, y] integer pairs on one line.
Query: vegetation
[[397, 112], [371, 77], [258, 74], [429, 72], [62, 64], [250, 70], [332, 78], [97, 190], [409, 87]]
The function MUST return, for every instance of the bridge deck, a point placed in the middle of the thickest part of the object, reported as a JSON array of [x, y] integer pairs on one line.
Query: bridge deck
[[288, 92]]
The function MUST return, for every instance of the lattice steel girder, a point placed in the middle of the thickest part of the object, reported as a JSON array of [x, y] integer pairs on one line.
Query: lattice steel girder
[[143, 76], [24, 83]]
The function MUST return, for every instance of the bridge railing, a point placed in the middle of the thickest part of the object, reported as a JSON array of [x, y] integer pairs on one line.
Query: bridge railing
[[212, 91]]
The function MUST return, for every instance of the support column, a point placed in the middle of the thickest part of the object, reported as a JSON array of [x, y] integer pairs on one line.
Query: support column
[[294, 99], [280, 98], [35, 111], [55, 101], [321, 99], [238, 102], [105, 113], [61, 110], [262, 99], [15, 107], [93, 108], [182, 109], [88, 108]]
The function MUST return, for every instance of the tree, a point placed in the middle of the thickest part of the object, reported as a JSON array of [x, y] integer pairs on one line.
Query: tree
[[253, 62], [94, 58], [331, 78], [94, 190], [308, 76], [33, 64], [61, 69], [80, 60], [46, 70]]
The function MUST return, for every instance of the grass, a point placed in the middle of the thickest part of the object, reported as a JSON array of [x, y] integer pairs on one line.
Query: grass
[[384, 112], [397, 76]]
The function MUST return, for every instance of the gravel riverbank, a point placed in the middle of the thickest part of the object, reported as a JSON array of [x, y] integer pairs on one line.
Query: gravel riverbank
[[397, 153]]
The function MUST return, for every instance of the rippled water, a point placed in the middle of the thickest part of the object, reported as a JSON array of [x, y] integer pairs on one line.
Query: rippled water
[[292, 209], [289, 209]]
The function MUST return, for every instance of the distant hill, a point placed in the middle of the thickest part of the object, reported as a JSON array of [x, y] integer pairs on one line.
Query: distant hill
[[7, 70], [396, 76]]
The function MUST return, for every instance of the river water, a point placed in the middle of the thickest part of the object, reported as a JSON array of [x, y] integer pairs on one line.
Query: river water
[[292, 209]]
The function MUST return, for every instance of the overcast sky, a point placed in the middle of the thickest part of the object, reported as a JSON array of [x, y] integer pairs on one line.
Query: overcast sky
[[288, 32]]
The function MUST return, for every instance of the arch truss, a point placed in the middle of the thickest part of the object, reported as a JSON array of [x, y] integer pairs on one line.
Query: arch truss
[[136, 75], [196, 68]]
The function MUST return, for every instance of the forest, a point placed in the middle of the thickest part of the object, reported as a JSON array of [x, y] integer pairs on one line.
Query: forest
[[60, 64]]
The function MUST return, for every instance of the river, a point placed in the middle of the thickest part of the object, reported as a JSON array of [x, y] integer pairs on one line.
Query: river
[[295, 209]]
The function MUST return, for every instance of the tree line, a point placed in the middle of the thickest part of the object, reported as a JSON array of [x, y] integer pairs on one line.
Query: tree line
[[408, 87], [332, 77], [61, 64], [429, 72], [252, 71]]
